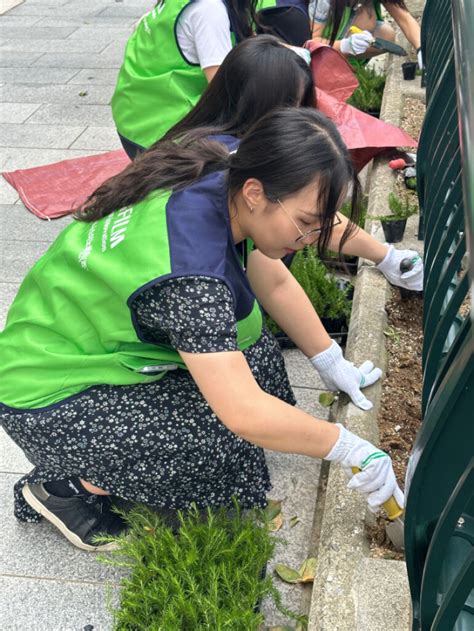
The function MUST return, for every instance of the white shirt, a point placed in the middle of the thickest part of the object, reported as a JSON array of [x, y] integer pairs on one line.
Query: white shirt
[[318, 10], [203, 32]]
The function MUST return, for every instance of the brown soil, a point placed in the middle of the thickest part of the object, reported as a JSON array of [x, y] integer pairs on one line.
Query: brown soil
[[400, 413]]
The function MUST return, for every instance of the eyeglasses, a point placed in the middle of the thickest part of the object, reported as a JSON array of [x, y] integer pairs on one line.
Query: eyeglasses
[[304, 235]]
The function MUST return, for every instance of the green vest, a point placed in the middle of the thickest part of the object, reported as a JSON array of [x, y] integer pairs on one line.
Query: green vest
[[71, 326]]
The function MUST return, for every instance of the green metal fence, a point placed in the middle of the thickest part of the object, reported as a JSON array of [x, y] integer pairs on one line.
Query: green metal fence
[[439, 523]]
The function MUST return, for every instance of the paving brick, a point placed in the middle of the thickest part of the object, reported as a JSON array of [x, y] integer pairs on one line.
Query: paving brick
[[92, 76], [126, 11], [9, 59], [104, 34], [16, 112], [16, 260], [8, 194], [98, 138], [73, 115], [19, 32], [12, 459], [40, 550], [19, 224], [90, 20], [7, 293], [17, 20], [79, 60], [37, 75], [12, 158], [38, 136], [44, 10], [57, 94], [53, 46], [115, 48], [32, 605]]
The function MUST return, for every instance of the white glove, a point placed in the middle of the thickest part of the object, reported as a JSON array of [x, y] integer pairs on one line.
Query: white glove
[[376, 479], [356, 44], [419, 56], [390, 268], [340, 374]]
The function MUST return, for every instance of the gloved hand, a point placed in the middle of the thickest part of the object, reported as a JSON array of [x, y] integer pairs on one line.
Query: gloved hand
[[419, 56], [356, 44], [376, 479], [340, 374], [390, 268]]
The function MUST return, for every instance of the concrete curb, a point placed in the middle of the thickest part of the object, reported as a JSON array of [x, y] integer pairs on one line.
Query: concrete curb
[[353, 592]]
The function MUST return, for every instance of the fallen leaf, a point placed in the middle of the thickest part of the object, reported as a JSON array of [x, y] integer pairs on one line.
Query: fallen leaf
[[308, 570], [85, 93], [276, 523], [287, 573], [326, 399], [293, 521], [272, 509]]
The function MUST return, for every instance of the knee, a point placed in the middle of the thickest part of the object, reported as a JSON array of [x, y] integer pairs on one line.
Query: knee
[[385, 32]]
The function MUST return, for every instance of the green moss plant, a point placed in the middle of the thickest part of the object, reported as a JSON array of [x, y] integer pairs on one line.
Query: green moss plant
[[206, 573]]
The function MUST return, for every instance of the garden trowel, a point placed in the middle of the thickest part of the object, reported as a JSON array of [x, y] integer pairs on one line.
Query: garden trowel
[[383, 44], [395, 529]]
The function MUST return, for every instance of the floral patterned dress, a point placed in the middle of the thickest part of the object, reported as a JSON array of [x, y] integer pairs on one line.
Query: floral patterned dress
[[157, 443]]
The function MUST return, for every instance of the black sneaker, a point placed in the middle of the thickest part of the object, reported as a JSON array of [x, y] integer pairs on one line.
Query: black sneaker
[[78, 520]]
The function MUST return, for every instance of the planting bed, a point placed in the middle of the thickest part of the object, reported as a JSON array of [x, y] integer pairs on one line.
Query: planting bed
[[400, 413]]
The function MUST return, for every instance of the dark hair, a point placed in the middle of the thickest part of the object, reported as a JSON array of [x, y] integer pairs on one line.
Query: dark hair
[[337, 11], [285, 150], [258, 75], [242, 16]]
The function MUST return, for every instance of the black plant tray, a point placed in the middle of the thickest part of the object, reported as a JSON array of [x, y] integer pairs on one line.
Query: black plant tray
[[351, 262]]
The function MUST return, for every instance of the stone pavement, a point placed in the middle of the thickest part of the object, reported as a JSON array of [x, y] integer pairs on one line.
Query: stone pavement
[[51, 52]]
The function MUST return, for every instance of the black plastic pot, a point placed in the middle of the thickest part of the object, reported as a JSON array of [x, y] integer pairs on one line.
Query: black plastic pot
[[409, 70], [374, 113], [394, 230]]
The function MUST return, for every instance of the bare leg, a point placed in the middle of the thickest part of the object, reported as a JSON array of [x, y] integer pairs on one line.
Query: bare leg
[[93, 489]]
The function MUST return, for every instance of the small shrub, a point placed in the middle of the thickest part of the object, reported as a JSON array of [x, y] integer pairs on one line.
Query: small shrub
[[320, 286], [400, 208], [368, 96], [205, 574]]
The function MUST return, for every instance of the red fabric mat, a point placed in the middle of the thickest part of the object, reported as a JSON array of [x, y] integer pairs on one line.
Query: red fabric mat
[[54, 190], [364, 135]]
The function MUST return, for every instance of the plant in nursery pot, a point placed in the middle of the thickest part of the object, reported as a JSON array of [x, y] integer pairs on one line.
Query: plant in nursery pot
[[330, 296], [345, 263], [368, 96], [394, 224]]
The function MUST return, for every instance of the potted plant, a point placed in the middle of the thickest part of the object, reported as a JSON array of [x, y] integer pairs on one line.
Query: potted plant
[[331, 297], [394, 224], [368, 96], [346, 263]]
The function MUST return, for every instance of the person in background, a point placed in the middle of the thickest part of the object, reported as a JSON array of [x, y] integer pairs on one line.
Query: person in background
[[332, 19], [262, 74], [135, 362], [175, 50]]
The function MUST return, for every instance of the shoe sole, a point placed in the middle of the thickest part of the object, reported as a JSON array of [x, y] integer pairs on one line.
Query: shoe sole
[[70, 536]]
